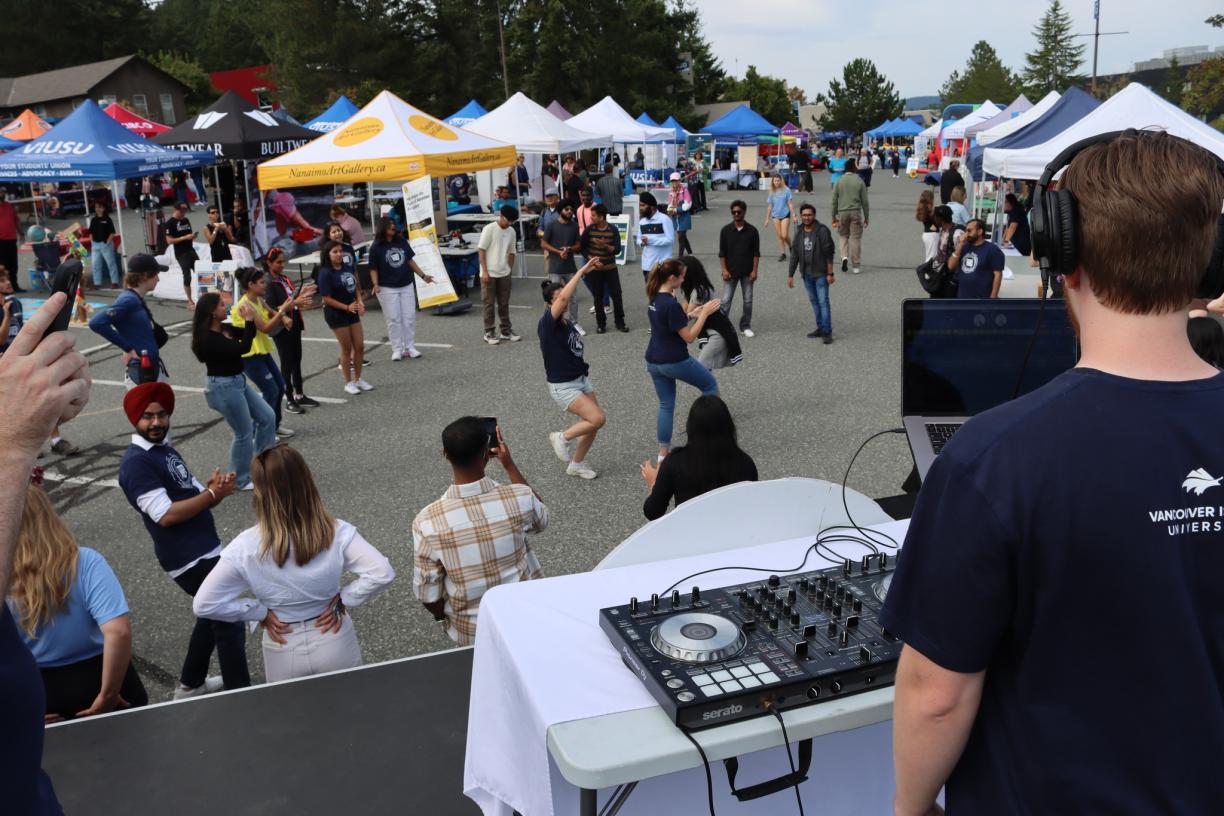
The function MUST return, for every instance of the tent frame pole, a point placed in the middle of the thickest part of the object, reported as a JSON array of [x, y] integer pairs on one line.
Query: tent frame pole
[[119, 216]]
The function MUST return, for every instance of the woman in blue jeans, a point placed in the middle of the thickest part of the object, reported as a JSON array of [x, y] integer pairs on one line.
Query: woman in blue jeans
[[227, 391], [667, 356]]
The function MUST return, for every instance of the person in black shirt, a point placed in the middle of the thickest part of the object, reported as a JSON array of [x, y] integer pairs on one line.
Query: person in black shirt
[[102, 255], [289, 340], [240, 222], [567, 370], [219, 235], [949, 181], [180, 235], [711, 459], [601, 242], [718, 340], [1017, 231], [739, 252]]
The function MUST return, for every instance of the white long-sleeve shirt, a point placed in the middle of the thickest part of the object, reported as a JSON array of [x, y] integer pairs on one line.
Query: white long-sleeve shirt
[[658, 245], [294, 593]]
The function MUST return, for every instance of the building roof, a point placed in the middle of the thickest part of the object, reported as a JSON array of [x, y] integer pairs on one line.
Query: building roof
[[62, 83]]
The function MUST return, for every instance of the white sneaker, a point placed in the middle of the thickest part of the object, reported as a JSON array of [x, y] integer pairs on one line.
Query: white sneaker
[[211, 686], [591, 310], [749, 333], [396, 356], [351, 388], [580, 330], [561, 446], [492, 339], [247, 486], [364, 386], [857, 271], [412, 352], [580, 469], [283, 432], [510, 337]]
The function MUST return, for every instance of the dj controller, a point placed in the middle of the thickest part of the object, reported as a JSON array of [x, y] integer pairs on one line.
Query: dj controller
[[732, 653]]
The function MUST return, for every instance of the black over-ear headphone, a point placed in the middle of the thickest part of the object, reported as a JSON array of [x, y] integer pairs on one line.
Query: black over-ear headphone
[[1056, 220]]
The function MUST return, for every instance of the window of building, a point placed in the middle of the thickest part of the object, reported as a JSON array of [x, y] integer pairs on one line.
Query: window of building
[[141, 105], [107, 99], [167, 106], [41, 111]]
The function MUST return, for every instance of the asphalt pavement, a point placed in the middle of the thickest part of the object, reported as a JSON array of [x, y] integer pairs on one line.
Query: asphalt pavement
[[802, 409]]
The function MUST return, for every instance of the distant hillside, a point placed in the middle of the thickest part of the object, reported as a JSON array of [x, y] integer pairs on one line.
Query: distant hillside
[[922, 102]]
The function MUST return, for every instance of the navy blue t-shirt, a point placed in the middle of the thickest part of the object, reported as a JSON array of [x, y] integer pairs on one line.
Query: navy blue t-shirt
[[341, 286], [16, 321], [143, 471], [1071, 544], [24, 786], [1020, 238], [666, 317], [975, 275], [390, 261], [562, 347]]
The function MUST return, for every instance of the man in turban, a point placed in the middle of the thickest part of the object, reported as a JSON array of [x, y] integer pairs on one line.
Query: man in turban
[[177, 512]]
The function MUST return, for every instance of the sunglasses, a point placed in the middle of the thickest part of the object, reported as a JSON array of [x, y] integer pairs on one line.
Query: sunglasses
[[737, 212]]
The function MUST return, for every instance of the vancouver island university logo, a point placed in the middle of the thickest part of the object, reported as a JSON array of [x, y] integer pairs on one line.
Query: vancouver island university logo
[[1198, 481]]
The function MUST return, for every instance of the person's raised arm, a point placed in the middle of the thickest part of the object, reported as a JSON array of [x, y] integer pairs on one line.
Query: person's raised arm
[[561, 299]]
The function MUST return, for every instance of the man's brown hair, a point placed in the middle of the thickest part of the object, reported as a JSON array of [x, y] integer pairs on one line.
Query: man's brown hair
[[1145, 239]]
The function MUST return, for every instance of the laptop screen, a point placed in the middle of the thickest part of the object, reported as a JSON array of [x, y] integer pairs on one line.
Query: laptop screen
[[962, 357]]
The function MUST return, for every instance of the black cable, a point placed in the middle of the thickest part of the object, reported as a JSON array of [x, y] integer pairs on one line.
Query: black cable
[[705, 762], [1032, 343], [846, 505], [789, 757]]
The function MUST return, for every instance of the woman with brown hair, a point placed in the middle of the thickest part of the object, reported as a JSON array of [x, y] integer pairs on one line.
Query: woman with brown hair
[[292, 561], [925, 212], [73, 617]]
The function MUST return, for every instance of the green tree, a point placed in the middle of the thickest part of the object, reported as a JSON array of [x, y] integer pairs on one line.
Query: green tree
[[1172, 84], [767, 95], [46, 36], [985, 77], [1054, 65], [200, 91], [1204, 92], [219, 34], [861, 100]]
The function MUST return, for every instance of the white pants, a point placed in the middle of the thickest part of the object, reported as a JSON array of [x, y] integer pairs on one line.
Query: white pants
[[311, 651], [399, 310]]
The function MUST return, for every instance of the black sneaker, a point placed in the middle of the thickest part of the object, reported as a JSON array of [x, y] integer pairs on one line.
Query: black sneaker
[[601, 329], [845, 264], [817, 333], [828, 338], [306, 402], [782, 257], [623, 328], [293, 407]]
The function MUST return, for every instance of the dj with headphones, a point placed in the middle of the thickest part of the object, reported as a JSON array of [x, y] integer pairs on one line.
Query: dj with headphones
[[1059, 591]]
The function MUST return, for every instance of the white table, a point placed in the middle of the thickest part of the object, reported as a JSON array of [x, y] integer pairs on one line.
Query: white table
[[312, 259], [488, 218], [555, 715]]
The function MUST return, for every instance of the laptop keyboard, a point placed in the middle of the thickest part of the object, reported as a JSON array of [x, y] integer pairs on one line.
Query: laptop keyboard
[[939, 433]]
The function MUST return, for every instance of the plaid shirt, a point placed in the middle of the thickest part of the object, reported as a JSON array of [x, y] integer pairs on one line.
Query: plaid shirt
[[470, 540]]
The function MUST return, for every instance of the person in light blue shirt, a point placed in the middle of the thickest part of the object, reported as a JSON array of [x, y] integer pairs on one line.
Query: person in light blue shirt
[[779, 209], [837, 166], [654, 232]]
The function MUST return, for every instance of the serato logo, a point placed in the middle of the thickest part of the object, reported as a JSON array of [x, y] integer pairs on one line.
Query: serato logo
[[263, 118], [1199, 481], [719, 713], [207, 119]]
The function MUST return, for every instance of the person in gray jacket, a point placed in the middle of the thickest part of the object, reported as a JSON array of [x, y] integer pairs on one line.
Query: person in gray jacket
[[812, 254]]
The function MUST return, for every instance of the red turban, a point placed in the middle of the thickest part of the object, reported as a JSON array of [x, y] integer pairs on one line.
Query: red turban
[[139, 398]]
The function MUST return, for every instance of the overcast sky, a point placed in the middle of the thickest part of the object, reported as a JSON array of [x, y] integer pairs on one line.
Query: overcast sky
[[807, 42]]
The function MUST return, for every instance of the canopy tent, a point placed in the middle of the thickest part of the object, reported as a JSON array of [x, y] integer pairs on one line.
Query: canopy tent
[[644, 119], [9, 144], [877, 130], [833, 135], [556, 109], [1132, 107], [793, 131], [286, 117], [532, 129], [26, 127], [336, 115], [466, 115], [387, 140], [605, 116], [956, 130], [905, 129], [933, 131], [999, 131], [1071, 107], [236, 130], [133, 121], [741, 121], [1017, 107], [681, 134]]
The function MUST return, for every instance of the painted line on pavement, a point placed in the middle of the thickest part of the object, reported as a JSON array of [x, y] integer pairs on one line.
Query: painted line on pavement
[[191, 389], [101, 346], [375, 343], [52, 476]]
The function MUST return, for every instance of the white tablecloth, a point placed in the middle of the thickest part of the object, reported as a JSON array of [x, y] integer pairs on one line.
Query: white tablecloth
[[541, 659], [170, 284]]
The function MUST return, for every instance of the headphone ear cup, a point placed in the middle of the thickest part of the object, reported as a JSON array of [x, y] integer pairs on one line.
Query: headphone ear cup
[[1065, 216]]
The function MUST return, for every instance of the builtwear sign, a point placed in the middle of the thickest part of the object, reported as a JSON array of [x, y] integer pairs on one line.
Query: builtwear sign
[[387, 140], [233, 128]]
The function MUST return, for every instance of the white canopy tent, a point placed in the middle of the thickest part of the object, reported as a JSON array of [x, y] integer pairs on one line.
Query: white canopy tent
[[956, 130], [1017, 107], [1132, 107], [994, 134], [605, 116]]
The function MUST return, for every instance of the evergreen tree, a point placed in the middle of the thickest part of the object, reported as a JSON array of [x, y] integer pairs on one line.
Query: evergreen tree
[[1054, 65], [861, 100], [985, 77]]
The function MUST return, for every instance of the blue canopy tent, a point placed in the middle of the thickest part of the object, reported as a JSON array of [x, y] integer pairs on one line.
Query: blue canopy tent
[[466, 115], [742, 121], [340, 112], [906, 129], [681, 134], [87, 146], [9, 144], [1071, 107], [282, 115], [644, 119]]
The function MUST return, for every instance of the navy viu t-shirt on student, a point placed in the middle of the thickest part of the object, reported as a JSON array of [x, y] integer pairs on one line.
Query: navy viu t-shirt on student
[[390, 261], [562, 348], [1070, 543], [667, 317], [975, 275]]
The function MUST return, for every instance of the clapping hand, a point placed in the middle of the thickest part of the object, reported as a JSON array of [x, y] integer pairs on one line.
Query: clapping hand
[[246, 311], [222, 484], [710, 306], [650, 472]]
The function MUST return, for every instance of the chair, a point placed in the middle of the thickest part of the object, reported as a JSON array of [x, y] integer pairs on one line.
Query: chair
[[744, 515]]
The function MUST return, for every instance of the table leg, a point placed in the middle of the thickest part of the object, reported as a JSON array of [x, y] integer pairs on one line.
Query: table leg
[[587, 804]]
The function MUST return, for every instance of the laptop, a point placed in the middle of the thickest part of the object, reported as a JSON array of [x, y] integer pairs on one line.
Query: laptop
[[963, 357]]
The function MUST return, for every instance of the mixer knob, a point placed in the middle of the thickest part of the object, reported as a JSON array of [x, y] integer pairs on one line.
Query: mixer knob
[[779, 601], [801, 649], [774, 580], [675, 598], [804, 584], [883, 561], [887, 635], [695, 596], [809, 630], [820, 594], [864, 654], [794, 619], [748, 625], [845, 639], [773, 621], [858, 605], [762, 590], [828, 604], [787, 609], [832, 630], [866, 565], [790, 596], [824, 582], [847, 567], [852, 620], [835, 686], [654, 602], [633, 606], [837, 610]]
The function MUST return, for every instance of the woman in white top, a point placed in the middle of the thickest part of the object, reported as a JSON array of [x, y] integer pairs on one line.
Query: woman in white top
[[291, 561]]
